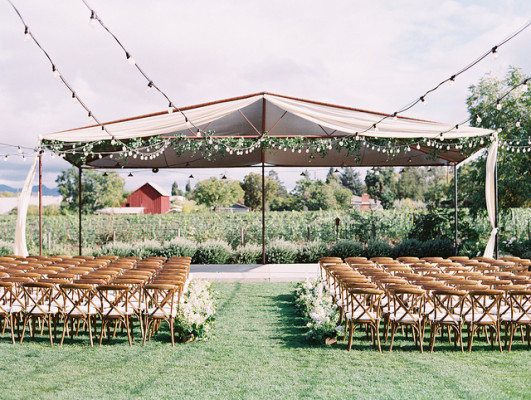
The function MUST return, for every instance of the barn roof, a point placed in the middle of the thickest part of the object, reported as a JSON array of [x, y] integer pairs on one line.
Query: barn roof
[[157, 187]]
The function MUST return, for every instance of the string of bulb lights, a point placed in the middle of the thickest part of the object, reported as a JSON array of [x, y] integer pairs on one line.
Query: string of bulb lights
[[151, 152]]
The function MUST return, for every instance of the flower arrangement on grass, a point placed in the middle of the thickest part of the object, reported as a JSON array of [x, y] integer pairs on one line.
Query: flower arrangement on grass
[[196, 317], [319, 311]]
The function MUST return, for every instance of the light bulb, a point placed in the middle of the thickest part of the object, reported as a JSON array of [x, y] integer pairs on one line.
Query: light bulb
[[423, 100], [27, 35], [19, 150], [93, 20], [518, 124], [395, 117], [376, 129], [74, 98], [498, 105], [478, 119], [55, 71], [130, 59], [5, 157], [452, 80], [149, 86], [170, 108], [418, 146]]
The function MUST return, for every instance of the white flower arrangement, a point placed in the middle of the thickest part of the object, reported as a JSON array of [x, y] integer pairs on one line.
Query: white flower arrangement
[[318, 309], [196, 317]]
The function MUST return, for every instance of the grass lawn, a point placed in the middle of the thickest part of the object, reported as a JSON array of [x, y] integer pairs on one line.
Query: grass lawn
[[260, 352]]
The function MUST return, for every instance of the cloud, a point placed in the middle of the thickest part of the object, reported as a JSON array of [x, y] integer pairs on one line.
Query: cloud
[[373, 55]]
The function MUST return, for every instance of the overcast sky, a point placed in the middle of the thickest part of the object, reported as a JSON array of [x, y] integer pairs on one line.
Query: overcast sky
[[375, 55]]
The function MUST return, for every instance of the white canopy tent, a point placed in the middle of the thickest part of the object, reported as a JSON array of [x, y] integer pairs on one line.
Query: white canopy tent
[[260, 116]]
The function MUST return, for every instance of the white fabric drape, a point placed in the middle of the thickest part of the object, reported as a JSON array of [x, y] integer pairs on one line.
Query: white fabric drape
[[154, 125], [352, 121], [490, 196], [21, 248], [338, 118]]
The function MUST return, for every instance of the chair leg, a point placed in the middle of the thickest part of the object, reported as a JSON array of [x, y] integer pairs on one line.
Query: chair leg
[[23, 328], [350, 334], [394, 327], [90, 330], [433, 334], [377, 329], [172, 327], [64, 331], [50, 328], [128, 330]]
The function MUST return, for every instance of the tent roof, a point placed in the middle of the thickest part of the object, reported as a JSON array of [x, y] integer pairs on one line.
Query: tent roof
[[280, 116]]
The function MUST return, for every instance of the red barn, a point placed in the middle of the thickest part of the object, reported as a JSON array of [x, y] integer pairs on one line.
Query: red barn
[[151, 197]]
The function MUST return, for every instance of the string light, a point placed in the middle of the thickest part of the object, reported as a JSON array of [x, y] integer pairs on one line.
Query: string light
[[27, 35], [498, 105], [130, 59]]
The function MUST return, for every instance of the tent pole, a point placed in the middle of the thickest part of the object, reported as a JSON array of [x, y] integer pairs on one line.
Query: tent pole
[[496, 250], [263, 182], [80, 189], [40, 203], [456, 233]]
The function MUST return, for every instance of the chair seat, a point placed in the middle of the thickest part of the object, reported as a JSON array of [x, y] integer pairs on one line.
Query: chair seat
[[362, 316], [480, 319], [158, 313], [448, 318], [517, 317], [11, 309], [402, 317], [117, 312], [80, 311], [44, 310]]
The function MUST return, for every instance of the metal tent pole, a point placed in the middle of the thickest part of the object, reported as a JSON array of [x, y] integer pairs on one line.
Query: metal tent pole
[[456, 233], [40, 203], [80, 189], [496, 249], [263, 182]]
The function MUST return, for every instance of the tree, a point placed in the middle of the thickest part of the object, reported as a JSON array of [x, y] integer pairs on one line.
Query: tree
[[174, 189], [350, 179], [188, 186], [313, 195], [514, 174], [252, 187], [381, 185], [217, 193], [331, 176], [98, 191]]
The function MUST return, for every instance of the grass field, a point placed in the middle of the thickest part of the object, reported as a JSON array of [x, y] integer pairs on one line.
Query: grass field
[[259, 353]]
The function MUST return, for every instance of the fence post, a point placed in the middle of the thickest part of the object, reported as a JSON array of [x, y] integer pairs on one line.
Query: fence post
[[309, 235], [242, 236], [178, 232], [49, 241]]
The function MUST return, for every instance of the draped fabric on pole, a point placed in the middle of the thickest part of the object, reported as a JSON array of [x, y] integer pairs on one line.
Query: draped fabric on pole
[[246, 116], [21, 248], [490, 196]]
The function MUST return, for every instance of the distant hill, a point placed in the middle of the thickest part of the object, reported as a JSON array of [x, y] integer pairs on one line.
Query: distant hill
[[46, 191]]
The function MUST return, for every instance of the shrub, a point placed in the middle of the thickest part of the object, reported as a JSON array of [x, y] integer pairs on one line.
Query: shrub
[[516, 247], [147, 248], [438, 248], [119, 249], [281, 252], [471, 248], [311, 251], [212, 252], [179, 247], [6, 248], [346, 248], [377, 248], [408, 247], [248, 254]]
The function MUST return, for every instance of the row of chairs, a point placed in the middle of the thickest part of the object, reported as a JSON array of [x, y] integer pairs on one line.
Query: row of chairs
[[444, 294], [82, 291]]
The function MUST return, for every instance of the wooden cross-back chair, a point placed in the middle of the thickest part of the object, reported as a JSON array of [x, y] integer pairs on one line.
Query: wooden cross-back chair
[[519, 314], [447, 312], [115, 307], [483, 312], [407, 309], [161, 304], [363, 305], [9, 309], [79, 305], [39, 304]]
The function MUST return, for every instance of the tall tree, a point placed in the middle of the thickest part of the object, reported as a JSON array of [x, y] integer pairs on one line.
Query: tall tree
[[217, 193], [350, 179], [98, 191], [514, 173], [252, 187], [188, 186], [313, 195], [331, 176], [381, 185], [174, 189]]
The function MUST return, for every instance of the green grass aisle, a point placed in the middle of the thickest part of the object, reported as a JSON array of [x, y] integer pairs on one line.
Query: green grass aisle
[[260, 353]]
